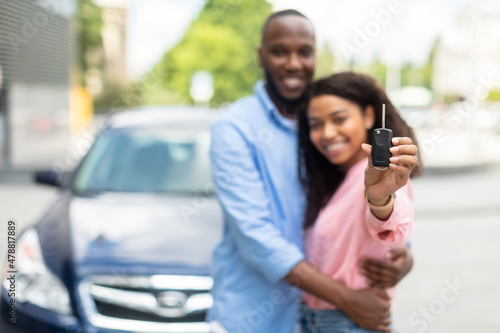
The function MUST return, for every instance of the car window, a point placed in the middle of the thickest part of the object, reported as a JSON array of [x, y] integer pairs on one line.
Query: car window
[[147, 161]]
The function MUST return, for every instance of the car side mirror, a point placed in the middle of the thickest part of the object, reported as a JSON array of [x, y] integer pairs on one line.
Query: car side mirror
[[50, 177]]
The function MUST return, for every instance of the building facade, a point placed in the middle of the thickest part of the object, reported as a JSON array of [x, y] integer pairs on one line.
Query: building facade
[[467, 59], [36, 51]]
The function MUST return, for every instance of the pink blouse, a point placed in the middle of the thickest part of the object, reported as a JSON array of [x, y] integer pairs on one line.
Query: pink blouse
[[346, 230]]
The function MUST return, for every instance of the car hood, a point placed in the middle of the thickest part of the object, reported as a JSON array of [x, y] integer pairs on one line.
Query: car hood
[[134, 233]]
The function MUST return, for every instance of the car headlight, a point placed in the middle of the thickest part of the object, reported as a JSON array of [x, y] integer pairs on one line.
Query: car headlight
[[35, 283]]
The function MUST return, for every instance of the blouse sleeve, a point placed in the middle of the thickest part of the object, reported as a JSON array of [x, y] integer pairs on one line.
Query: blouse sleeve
[[396, 230]]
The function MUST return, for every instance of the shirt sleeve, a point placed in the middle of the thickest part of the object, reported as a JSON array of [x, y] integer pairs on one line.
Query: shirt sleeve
[[396, 230], [246, 204]]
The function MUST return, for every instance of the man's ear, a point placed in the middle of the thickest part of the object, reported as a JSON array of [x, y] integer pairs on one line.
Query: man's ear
[[369, 117], [260, 57]]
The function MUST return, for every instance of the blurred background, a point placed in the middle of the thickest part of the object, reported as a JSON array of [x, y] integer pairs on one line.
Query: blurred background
[[66, 65]]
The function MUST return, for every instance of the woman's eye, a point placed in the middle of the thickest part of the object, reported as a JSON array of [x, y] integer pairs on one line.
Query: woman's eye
[[313, 126], [339, 120]]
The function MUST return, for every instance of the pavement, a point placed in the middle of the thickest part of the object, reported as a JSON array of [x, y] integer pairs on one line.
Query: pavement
[[454, 284]]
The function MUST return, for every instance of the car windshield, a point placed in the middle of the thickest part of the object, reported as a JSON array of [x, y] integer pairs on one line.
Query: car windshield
[[148, 160]]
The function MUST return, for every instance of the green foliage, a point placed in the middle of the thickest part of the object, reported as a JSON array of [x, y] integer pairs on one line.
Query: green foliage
[[116, 96], [411, 75], [324, 62], [376, 69], [494, 95], [419, 76], [89, 26], [245, 17], [201, 52], [222, 41], [416, 76]]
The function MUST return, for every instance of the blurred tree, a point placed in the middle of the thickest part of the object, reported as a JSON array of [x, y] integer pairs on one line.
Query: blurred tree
[[324, 62], [376, 69], [89, 26], [494, 95], [115, 96], [410, 75], [222, 41], [429, 66], [419, 76]]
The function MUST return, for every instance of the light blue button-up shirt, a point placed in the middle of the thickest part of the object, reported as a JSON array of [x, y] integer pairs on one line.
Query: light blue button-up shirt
[[254, 165]]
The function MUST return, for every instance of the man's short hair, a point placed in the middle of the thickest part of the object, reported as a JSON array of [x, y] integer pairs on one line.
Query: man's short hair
[[284, 13], [280, 13]]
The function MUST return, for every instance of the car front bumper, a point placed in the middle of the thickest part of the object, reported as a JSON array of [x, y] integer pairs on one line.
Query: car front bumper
[[29, 318]]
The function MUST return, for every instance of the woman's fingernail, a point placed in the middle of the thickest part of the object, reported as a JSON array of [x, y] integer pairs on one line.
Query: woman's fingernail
[[394, 149], [394, 159], [395, 141]]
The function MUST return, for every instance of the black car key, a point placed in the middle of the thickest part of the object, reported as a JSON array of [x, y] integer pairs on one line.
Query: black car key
[[381, 143]]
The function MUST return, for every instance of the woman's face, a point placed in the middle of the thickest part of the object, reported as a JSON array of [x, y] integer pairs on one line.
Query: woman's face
[[338, 127]]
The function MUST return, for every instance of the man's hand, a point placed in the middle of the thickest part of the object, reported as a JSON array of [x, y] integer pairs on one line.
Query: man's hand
[[368, 308], [387, 273]]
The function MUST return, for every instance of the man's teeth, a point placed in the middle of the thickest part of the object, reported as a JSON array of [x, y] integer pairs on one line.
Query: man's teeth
[[292, 82], [335, 146]]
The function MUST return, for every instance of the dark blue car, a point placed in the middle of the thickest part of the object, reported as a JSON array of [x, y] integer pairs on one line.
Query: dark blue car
[[128, 244]]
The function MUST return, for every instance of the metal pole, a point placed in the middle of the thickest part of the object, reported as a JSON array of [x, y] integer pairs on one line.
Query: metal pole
[[4, 111]]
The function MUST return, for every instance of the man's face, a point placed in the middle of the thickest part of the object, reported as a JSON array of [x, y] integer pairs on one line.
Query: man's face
[[287, 55]]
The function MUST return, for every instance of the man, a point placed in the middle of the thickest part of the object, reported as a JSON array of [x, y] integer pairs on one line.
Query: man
[[260, 262]]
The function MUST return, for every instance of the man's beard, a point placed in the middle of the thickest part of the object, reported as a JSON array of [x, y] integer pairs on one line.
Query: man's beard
[[286, 103]]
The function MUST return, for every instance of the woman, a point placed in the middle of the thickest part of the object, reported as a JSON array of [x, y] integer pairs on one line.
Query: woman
[[352, 210]]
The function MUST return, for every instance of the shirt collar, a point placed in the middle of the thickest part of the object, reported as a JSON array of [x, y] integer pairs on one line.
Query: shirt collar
[[261, 92]]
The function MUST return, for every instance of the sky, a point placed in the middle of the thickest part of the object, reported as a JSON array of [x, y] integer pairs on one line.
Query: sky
[[396, 31], [155, 26]]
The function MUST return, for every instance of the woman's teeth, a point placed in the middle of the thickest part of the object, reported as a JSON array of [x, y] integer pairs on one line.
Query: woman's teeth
[[335, 146]]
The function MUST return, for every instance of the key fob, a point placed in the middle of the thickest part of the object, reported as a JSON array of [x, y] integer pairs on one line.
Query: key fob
[[381, 143]]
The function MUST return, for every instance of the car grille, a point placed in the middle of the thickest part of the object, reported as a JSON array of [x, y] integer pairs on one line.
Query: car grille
[[159, 303]]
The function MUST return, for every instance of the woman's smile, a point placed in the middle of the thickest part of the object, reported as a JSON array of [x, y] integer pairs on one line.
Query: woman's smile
[[335, 147]]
